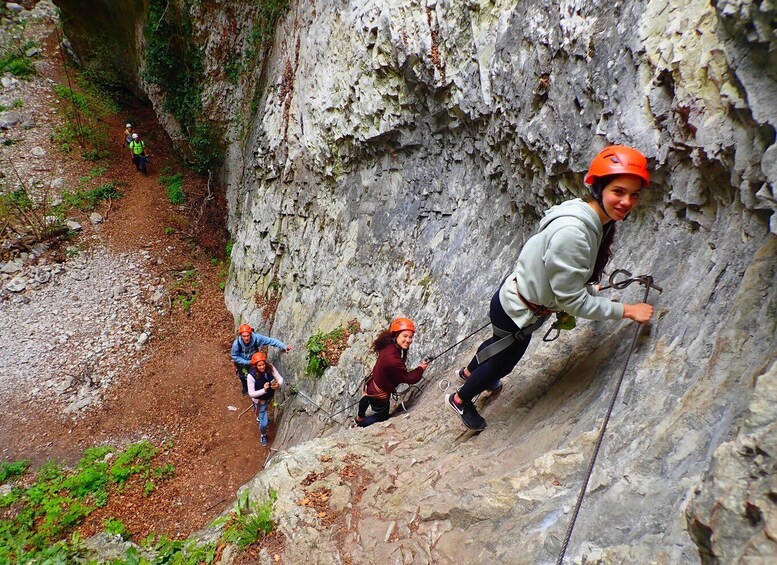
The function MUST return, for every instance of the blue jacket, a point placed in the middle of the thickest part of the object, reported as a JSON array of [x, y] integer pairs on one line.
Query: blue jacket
[[242, 352]]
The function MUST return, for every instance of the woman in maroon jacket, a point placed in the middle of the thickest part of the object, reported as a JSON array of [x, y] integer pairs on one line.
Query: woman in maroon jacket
[[389, 371]]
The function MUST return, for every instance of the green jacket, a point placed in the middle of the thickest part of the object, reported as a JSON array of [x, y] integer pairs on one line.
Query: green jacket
[[137, 147]]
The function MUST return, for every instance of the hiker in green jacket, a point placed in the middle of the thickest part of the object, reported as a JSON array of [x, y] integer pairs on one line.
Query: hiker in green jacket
[[139, 153], [558, 270]]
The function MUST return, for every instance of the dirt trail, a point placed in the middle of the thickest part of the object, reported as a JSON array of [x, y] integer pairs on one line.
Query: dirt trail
[[183, 391]]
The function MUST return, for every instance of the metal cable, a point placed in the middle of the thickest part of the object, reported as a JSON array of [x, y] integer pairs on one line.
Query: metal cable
[[462, 340], [647, 280]]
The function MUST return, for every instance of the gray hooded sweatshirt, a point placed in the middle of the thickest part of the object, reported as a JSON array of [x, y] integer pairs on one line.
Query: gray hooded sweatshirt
[[554, 267]]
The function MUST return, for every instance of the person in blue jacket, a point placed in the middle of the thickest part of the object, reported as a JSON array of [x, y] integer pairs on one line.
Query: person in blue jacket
[[245, 345]]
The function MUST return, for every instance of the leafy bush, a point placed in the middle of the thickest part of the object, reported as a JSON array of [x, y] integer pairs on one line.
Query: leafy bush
[[250, 520], [317, 363], [18, 64], [173, 183], [269, 12], [324, 350], [88, 200], [116, 527], [12, 470], [84, 127]]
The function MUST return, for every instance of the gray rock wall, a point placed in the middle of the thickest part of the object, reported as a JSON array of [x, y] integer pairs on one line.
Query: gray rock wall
[[402, 154], [390, 157]]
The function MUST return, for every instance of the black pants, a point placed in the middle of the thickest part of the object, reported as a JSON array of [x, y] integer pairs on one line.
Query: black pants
[[485, 376], [380, 409], [140, 163]]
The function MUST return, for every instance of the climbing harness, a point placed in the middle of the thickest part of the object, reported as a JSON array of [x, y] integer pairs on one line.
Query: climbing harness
[[647, 281], [507, 339]]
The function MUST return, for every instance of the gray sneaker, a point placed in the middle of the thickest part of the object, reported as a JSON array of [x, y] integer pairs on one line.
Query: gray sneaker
[[264, 440], [467, 412]]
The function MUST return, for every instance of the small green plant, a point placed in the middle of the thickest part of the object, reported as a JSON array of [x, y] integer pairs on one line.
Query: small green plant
[[18, 64], [95, 155], [173, 183], [165, 472], [116, 527], [184, 289], [169, 230], [93, 174], [186, 301], [12, 470], [148, 488], [18, 103], [250, 520], [174, 552], [324, 350], [135, 459], [87, 200], [233, 69]]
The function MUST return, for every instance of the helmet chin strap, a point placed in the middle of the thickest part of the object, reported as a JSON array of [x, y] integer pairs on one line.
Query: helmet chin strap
[[600, 201]]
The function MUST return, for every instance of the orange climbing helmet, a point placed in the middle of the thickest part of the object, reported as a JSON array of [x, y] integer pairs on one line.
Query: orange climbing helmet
[[258, 356], [618, 160], [245, 328], [402, 324]]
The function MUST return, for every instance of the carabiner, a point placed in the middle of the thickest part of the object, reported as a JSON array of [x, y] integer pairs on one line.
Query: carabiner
[[551, 329]]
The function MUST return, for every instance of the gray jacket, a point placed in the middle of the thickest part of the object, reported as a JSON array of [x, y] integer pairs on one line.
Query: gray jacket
[[554, 266]]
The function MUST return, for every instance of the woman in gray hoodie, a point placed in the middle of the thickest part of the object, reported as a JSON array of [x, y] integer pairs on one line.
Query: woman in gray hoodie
[[558, 270]]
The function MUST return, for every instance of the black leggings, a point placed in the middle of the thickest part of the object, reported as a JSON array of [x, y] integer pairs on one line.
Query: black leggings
[[380, 409], [485, 376]]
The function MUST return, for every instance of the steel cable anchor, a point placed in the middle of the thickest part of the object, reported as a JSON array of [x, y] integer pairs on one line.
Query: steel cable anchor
[[613, 282]]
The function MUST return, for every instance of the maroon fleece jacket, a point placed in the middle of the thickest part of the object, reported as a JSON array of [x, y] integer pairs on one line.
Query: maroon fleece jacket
[[390, 371]]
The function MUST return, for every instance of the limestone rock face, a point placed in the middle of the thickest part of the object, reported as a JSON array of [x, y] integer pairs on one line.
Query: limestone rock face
[[391, 157]]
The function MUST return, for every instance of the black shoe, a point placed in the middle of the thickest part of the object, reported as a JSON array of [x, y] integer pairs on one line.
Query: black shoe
[[467, 412], [264, 440], [493, 390]]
